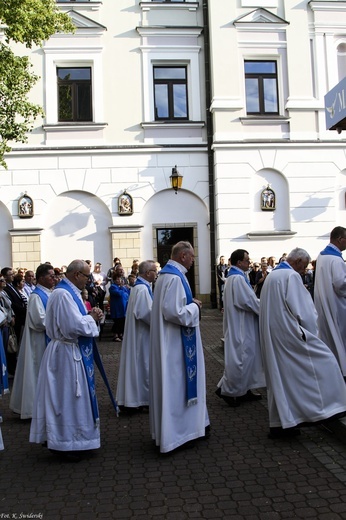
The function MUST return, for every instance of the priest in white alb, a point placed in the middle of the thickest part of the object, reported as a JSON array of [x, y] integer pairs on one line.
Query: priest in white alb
[[177, 390], [243, 370], [65, 412], [133, 375], [330, 295], [33, 344], [304, 381]]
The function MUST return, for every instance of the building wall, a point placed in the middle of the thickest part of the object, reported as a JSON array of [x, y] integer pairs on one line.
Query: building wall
[[291, 151], [75, 173]]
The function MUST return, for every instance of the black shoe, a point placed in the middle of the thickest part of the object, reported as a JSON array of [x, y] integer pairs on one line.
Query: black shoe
[[283, 433], [128, 409], [231, 401], [250, 396]]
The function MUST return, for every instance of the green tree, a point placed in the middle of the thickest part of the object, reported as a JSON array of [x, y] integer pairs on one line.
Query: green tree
[[28, 22]]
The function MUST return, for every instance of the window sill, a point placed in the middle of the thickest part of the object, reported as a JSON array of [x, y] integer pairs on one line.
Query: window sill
[[74, 126], [258, 235], [173, 124], [264, 120]]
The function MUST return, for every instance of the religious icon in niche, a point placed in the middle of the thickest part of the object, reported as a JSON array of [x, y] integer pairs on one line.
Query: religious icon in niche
[[125, 204], [268, 199], [25, 206]]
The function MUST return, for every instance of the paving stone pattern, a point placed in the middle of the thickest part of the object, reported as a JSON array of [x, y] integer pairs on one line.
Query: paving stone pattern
[[236, 474]]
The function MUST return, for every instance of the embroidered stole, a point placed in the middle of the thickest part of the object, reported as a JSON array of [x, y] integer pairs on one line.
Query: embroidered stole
[[44, 298], [89, 353], [188, 335]]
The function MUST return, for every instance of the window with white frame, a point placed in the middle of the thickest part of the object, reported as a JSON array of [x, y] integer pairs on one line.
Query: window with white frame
[[172, 79], [170, 93], [261, 87], [74, 94]]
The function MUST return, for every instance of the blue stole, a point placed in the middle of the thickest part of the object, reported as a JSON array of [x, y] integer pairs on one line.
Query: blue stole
[[188, 335], [331, 251], [233, 271], [89, 351], [139, 281], [282, 265], [44, 298]]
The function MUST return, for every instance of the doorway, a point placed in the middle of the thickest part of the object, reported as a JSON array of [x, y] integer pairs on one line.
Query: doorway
[[165, 239]]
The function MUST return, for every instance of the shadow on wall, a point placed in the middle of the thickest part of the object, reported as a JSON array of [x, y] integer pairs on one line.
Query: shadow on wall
[[70, 224], [312, 207]]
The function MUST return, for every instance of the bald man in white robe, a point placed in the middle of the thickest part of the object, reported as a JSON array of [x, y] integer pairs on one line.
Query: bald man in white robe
[[304, 381]]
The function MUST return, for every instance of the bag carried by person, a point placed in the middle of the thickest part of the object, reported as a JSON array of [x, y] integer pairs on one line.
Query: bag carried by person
[[12, 345]]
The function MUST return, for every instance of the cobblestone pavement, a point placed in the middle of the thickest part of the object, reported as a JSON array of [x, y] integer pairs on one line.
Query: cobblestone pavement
[[236, 474]]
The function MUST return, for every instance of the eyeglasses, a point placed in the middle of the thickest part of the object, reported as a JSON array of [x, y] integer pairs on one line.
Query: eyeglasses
[[2, 281], [86, 275]]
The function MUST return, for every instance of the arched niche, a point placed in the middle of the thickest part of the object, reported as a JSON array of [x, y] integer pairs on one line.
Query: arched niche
[[270, 221], [77, 226]]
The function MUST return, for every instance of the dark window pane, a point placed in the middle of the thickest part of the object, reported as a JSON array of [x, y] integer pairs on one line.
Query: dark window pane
[[252, 95], [170, 89], [261, 87], [74, 94], [179, 101], [69, 74], [65, 103], [270, 95], [83, 103], [161, 101]]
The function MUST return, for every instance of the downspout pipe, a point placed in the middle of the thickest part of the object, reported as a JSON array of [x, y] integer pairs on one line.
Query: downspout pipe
[[211, 174]]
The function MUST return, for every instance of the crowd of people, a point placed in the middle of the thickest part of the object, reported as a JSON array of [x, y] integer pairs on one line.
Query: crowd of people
[[257, 273], [281, 332]]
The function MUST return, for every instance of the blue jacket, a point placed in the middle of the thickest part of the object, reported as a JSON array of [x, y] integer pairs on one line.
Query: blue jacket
[[119, 296]]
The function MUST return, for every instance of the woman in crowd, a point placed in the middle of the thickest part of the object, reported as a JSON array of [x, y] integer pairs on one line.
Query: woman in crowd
[[119, 295], [100, 283], [261, 277], [19, 305]]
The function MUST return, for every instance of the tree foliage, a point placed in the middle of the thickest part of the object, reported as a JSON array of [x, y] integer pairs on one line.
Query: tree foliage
[[27, 22]]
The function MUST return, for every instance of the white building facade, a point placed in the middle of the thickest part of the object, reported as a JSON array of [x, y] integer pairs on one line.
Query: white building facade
[[272, 63], [124, 104], [231, 92]]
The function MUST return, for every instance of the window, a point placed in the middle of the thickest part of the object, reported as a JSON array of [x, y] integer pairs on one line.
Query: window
[[261, 87], [74, 94], [170, 93]]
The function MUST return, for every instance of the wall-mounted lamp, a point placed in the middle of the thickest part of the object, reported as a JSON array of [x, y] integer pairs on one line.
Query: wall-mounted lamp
[[176, 179]]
